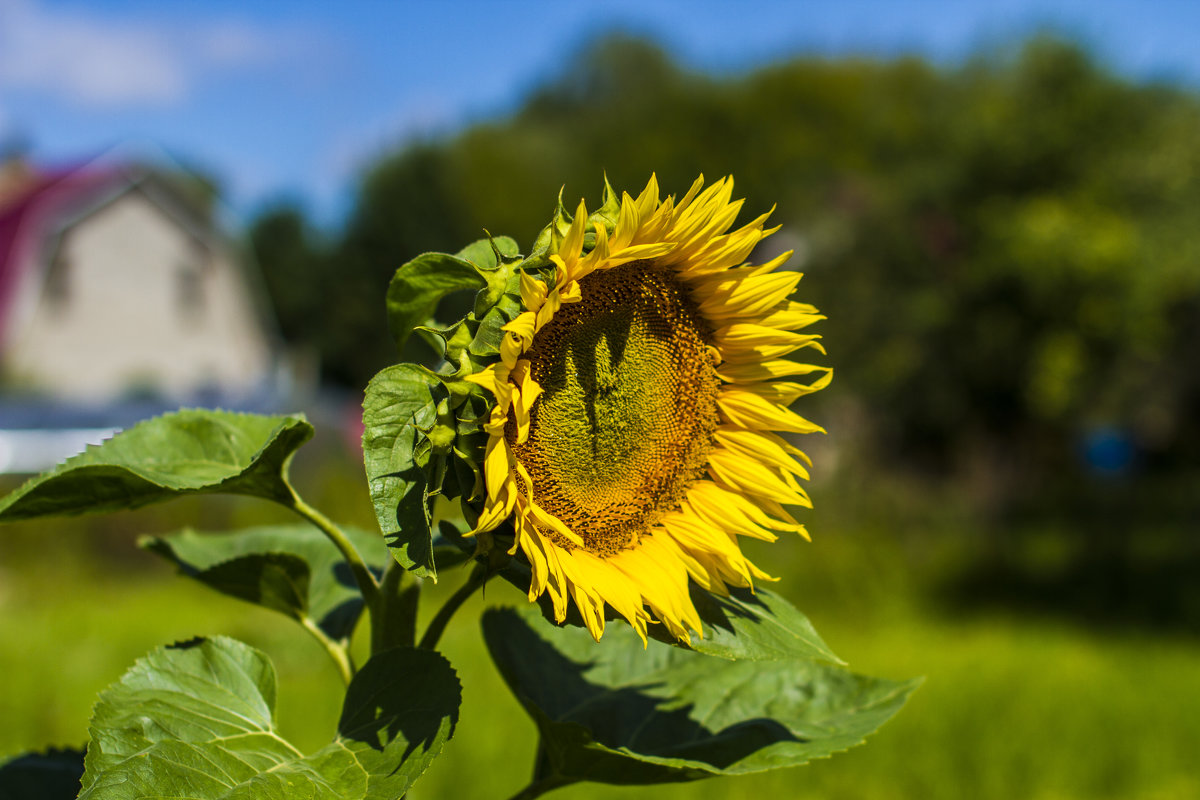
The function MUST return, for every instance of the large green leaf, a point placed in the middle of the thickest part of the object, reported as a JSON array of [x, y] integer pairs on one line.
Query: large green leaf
[[52, 775], [398, 408], [293, 569], [618, 713], [188, 452], [196, 720]]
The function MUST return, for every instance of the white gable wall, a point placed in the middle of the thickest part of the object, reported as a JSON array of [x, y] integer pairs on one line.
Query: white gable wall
[[117, 313]]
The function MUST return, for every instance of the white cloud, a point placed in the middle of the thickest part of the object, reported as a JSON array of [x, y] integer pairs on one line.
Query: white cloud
[[234, 43], [100, 61]]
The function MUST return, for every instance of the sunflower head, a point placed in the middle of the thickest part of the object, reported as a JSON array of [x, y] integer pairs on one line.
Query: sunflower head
[[627, 387]]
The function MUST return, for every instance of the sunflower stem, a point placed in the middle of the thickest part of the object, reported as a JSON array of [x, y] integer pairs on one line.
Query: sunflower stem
[[367, 584], [336, 650], [396, 625], [437, 626]]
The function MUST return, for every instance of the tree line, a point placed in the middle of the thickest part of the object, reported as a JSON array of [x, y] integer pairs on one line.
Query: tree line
[[1008, 250]]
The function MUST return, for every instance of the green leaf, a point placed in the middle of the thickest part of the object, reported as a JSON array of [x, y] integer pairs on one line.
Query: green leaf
[[400, 710], [616, 712], [189, 452], [758, 626], [53, 775], [398, 408], [419, 285], [293, 569], [196, 720]]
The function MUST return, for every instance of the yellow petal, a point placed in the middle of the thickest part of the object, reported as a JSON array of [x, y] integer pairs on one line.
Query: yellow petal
[[496, 465], [744, 475], [647, 201], [533, 292], [572, 243], [548, 520], [748, 297], [751, 411], [757, 372], [766, 447]]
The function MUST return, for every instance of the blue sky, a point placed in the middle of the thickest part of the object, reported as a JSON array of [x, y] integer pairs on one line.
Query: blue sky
[[291, 99]]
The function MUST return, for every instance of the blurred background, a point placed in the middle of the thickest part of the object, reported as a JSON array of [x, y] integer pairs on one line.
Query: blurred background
[[997, 206]]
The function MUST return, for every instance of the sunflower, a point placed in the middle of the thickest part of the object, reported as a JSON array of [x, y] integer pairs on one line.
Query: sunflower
[[640, 395]]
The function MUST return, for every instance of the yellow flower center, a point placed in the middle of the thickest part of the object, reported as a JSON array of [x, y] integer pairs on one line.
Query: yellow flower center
[[628, 408]]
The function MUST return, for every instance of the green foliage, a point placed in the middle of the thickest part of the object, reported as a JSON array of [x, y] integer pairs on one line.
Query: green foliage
[[196, 719], [399, 408], [292, 569], [870, 585], [624, 714], [422, 434], [189, 452]]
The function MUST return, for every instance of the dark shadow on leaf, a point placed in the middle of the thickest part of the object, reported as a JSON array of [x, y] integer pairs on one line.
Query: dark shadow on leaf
[[403, 693], [345, 576], [411, 518], [340, 620], [450, 532], [716, 611], [636, 716]]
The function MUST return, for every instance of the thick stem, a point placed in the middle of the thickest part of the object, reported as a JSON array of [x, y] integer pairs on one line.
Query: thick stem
[[434, 632], [396, 623], [362, 573], [339, 654], [393, 576], [404, 618]]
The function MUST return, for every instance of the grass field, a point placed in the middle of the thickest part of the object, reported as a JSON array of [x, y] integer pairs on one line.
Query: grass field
[[1012, 706]]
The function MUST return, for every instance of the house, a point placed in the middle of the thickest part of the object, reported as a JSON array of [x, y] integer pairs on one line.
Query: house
[[115, 284], [120, 298]]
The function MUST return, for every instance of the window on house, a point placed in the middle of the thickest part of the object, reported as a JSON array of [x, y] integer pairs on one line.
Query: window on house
[[191, 286], [58, 277], [191, 289]]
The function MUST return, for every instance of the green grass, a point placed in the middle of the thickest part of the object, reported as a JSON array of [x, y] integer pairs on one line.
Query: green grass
[[1011, 707]]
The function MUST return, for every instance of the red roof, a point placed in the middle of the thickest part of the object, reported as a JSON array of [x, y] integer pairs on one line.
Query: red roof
[[28, 217]]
